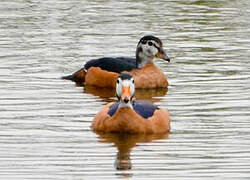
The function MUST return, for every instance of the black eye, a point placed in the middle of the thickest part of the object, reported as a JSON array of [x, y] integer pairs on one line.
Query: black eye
[[117, 81], [133, 81], [150, 43], [144, 42]]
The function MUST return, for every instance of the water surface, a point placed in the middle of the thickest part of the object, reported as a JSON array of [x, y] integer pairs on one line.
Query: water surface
[[45, 121]]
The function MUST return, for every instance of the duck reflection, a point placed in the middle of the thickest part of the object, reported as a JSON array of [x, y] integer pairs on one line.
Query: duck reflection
[[142, 94], [124, 144]]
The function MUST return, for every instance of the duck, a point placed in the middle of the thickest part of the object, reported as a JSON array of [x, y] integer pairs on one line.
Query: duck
[[129, 116], [103, 72]]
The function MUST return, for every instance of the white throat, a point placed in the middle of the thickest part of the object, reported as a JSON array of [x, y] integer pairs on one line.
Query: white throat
[[144, 60], [123, 105]]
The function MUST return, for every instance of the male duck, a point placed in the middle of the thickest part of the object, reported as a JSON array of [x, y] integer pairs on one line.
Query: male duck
[[127, 116], [103, 72]]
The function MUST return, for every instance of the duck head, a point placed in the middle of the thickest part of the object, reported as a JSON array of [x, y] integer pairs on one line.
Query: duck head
[[147, 49], [125, 89]]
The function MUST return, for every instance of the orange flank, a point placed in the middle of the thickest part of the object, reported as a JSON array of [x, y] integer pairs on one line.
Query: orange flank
[[126, 120], [95, 76], [150, 76]]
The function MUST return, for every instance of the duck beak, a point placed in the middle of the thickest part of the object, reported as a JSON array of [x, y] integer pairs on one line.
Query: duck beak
[[162, 55], [126, 95]]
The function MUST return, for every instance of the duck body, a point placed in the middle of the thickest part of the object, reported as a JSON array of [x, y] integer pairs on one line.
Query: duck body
[[129, 120], [127, 116], [150, 76], [103, 72]]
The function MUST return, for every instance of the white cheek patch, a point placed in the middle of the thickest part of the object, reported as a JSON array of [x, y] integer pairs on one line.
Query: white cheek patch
[[149, 50], [132, 90], [153, 50], [119, 89], [142, 53]]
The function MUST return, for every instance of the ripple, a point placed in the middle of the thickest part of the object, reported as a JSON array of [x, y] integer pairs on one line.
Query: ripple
[[45, 121]]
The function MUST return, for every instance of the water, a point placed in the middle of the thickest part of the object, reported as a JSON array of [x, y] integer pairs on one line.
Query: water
[[45, 121]]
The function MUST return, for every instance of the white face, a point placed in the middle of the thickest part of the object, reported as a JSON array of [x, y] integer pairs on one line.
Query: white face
[[127, 82], [149, 48]]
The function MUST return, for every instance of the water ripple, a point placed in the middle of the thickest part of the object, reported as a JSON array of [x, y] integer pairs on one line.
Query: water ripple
[[45, 121]]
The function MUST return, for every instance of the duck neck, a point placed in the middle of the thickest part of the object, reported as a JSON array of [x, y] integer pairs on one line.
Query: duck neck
[[142, 59], [123, 104]]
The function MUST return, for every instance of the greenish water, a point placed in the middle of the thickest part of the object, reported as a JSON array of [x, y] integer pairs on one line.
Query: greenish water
[[45, 121]]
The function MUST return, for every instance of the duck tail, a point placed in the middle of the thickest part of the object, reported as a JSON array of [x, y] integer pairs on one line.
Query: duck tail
[[78, 76]]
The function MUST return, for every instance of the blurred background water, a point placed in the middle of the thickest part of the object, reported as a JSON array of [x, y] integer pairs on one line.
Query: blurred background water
[[45, 121]]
